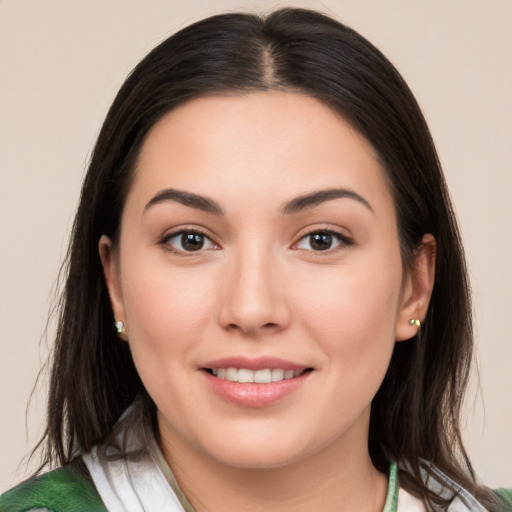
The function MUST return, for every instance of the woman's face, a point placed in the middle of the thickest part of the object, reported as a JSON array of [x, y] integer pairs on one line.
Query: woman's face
[[259, 243]]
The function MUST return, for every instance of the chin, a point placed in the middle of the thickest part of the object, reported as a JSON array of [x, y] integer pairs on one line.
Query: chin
[[257, 451], [250, 459]]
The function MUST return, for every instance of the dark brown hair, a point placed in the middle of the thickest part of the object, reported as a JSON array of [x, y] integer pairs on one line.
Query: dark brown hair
[[415, 414]]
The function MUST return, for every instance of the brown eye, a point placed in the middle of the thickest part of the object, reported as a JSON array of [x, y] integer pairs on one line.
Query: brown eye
[[319, 241], [189, 241], [192, 241]]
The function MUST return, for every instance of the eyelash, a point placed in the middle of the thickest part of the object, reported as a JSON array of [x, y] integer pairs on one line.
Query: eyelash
[[343, 241]]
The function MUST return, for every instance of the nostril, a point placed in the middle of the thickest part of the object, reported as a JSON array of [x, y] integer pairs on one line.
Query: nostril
[[268, 325]]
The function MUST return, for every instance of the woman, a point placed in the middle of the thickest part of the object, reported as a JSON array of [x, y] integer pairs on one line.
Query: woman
[[265, 224]]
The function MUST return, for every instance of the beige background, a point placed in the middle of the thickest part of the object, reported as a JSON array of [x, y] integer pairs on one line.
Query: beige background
[[61, 64]]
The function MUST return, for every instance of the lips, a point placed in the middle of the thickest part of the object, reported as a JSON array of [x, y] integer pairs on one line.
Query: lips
[[255, 382]]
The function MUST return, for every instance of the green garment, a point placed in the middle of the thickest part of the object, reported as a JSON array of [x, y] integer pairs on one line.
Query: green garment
[[505, 496], [67, 489]]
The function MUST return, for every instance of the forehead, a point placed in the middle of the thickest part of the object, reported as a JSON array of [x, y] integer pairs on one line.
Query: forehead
[[271, 143]]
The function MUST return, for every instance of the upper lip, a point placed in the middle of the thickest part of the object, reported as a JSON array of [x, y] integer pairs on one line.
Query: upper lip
[[258, 363]]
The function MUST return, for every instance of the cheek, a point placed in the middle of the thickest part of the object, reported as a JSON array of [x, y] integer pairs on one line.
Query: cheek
[[166, 308], [166, 313], [354, 325], [352, 315], [352, 301]]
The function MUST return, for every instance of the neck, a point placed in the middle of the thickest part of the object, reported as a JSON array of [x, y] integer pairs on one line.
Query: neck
[[335, 479]]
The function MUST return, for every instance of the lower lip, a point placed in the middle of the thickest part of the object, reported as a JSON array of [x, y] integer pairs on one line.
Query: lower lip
[[255, 395]]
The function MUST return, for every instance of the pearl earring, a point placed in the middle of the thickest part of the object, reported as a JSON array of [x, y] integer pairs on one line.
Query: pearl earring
[[119, 327]]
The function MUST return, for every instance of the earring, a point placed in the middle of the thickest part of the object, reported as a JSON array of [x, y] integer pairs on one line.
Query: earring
[[415, 321], [119, 327]]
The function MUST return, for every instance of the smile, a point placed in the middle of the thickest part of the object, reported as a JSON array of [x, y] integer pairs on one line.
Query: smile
[[263, 376], [255, 382]]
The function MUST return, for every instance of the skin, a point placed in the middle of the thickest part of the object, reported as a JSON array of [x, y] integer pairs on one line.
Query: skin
[[259, 288]]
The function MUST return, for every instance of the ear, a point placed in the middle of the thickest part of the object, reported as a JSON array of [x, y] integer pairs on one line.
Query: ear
[[417, 289], [110, 263]]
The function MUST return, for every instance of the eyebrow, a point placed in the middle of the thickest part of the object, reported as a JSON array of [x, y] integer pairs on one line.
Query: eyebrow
[[295, 205], [315, 198], [186, 198]]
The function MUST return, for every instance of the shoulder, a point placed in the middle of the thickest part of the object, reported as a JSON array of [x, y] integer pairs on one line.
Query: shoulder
[[505, 498], [66, 488]]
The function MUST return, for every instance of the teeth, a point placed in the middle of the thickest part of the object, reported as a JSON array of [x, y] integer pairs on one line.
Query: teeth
[[232, 374], [243, 375], [277, 374], [289, 374], [264, 376]]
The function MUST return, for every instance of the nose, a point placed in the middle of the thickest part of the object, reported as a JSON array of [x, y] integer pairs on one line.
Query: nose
[[253, 299]]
